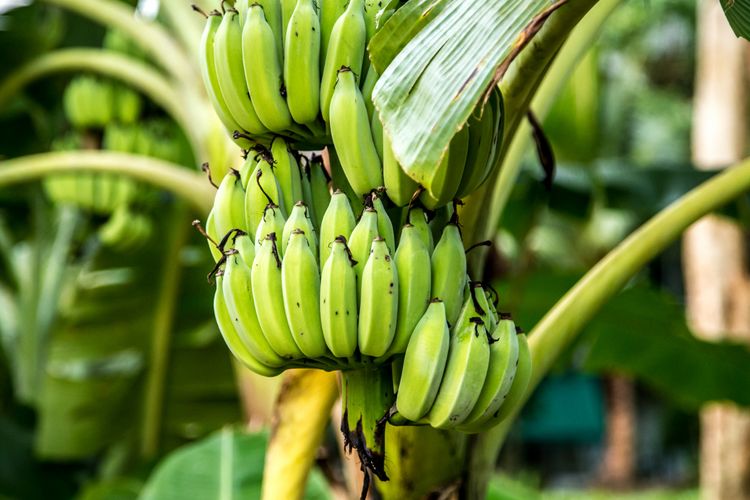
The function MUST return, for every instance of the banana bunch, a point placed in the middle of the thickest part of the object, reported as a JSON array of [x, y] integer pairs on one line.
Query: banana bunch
[[88, 102], [300, 70], [468, 377]]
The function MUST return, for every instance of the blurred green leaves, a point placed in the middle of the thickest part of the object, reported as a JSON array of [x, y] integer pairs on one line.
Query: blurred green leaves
[[226, 465]]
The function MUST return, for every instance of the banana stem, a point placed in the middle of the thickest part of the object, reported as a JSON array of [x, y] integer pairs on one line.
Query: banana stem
[[150, 36], [189, 185], [559, 327], [299, 421], [139, 75]]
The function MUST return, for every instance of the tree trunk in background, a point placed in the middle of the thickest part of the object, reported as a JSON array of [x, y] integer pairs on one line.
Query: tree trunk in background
[[618, 464], [717, 285]]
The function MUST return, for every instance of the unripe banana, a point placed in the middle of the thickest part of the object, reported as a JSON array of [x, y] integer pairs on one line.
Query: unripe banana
[[350, 129], [338, 220], [398, 186], [272, 11], [243, 243], [482, 144], [338, 178], [299, 220], [272, 222], [287, 173], [319, 191], [371, 9], [232, 338], [346, 48], [302, 63], [378, 305], [287, 9], [338, 300], [230, 74], [360, 242], [414, 285], [424, 363], [500, 374], [301, 285], [465, 371], [445, 179], [385, 226], [376, 130], [417, 218], [262, 189], [214, 235], [229, 204], [128, 104], [368, 85], [449, 271], [263, 73], [269, 300], [514, 396], [520, 382], [238, 296], [330, 11]]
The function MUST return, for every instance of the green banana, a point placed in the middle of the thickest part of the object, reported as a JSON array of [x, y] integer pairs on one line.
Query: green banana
[[514, 396], [229, 204], [299, 220], [302, 63], [398, 186], [442, 185], [230, 74], [424, 363], [449, 271], [361, 239], [504, 349], [414, 285], [385, 226], [262, 189], [350, 129], [263, 73], [378, 305], [301, 286], [465, 370], [520, 382], [338, 220], [232, 338], [346, 48], [338, 178], [418, 218], [272, 11], [287, 173], [483, 133], [268, 294], [287, 9], [371, 10], [338, 300], [368, 85], [376, 130], [272, 222], [330, 11], [238, 297], [319, 191], [213, 235], [128, 104]]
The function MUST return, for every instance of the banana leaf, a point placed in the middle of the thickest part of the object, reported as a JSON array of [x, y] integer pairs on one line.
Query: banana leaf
[[227, 465], [433, 82]]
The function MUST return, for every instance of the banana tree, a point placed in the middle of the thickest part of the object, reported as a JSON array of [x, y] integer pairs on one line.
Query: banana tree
[[437, 60]]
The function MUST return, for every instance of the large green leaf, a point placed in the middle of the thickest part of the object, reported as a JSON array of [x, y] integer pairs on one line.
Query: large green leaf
[[433, 84], [643, 333], [227, 465], [738, 15]]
